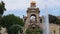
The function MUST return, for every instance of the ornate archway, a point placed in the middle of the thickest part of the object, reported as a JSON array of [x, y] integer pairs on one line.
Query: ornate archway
[[32, 20]]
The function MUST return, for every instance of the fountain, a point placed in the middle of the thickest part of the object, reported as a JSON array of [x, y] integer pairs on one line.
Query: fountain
[[46, 23]]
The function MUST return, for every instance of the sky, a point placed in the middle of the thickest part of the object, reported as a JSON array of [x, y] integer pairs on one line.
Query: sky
[[19, 7]]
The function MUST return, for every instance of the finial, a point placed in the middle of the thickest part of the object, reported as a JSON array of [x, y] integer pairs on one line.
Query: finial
[[33, 3]]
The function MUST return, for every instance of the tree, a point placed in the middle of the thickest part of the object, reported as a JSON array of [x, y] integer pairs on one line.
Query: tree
[[14, 29], [9, 20], [2, 8], [34, 31], [52, 18], [58, 21]]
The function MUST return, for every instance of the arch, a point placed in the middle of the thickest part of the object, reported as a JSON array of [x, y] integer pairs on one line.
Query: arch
[[33, 17]]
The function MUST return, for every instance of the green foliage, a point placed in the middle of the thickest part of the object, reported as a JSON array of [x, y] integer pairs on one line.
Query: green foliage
[[58, 21], [9, 20], [2, 7], [14, 30], [54, 19], [34, 31]]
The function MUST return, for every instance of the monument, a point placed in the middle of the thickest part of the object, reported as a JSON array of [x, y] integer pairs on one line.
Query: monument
[[32, 20]]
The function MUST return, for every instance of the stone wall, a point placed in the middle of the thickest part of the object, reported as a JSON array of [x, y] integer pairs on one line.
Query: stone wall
[[54, 28], [3, 31]]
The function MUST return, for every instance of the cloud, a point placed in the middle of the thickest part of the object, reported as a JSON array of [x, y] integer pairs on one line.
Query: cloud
[[15, 5], [23, 4]]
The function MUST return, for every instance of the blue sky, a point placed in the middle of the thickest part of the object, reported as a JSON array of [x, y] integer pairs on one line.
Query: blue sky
[[19, 7]]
